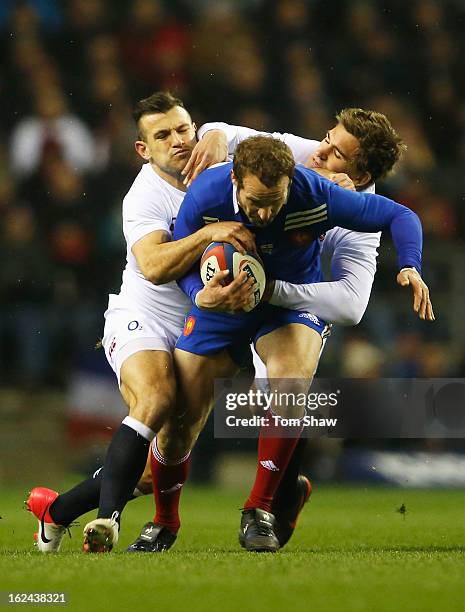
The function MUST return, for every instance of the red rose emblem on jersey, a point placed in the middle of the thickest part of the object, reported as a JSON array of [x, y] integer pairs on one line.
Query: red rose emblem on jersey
[[189, 326]]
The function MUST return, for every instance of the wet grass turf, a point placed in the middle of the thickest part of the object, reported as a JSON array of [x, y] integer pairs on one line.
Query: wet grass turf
[[352, 550]]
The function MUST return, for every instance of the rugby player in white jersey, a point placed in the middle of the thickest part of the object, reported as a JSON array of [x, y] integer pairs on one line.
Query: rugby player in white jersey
[[142, 324]]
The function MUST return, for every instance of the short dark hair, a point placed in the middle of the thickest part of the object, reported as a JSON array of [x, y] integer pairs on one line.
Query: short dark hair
[[265, 157], [380, 145], [159, 102]]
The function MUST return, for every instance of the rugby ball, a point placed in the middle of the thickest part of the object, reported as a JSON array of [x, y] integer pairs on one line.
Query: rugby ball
[[223, 256]]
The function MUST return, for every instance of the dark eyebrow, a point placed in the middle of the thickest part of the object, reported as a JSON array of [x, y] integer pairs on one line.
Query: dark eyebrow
[[161, 133], [268, 201]]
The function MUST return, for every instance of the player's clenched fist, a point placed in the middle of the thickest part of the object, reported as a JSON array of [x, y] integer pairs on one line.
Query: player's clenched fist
[[233, 232], [212, 149], [231, 298], [421, 298]]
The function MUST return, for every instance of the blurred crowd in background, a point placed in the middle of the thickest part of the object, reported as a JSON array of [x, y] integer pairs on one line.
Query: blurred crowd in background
[[70, 74]]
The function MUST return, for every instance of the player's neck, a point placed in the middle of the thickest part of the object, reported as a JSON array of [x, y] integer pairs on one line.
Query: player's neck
[[175, 180]]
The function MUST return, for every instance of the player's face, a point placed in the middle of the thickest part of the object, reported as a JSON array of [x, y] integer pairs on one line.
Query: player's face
[[168, 140], [336, 152], [260, 203]]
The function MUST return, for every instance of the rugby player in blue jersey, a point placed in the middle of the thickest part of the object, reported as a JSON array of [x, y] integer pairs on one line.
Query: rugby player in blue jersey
[[287, 208]]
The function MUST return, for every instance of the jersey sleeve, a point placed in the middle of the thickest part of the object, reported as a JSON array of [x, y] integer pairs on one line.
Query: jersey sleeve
[[142, 216], [345, 298], [188, 221], [301, 147], [234, 133], [369, 212]]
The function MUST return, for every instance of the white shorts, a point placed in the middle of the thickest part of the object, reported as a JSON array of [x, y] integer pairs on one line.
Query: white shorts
[[128, 331]]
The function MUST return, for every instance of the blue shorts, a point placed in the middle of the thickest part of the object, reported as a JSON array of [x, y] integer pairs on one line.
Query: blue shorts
[[207, 333]]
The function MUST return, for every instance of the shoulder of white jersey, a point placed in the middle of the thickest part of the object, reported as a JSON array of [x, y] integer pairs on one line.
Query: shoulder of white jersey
[[144, 177], [301, 147], [148, 188]]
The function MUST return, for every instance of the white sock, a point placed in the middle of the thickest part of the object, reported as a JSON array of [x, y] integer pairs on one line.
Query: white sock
[[138, 426]]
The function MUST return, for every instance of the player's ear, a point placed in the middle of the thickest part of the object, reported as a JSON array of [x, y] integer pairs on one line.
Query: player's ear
[[141, 149], [233, 177], [362, 181], [196, 136]]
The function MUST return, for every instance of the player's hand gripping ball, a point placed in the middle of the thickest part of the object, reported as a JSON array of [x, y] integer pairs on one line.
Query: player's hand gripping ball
[[223, 256]]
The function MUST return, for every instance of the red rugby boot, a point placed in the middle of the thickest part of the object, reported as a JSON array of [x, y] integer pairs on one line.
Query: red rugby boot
[[49, 536]]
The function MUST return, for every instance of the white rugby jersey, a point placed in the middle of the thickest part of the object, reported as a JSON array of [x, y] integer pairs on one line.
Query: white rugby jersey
[[151, 204], [353, 254]]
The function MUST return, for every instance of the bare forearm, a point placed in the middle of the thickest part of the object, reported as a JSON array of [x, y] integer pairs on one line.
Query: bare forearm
[[171, 260], [165, 261]]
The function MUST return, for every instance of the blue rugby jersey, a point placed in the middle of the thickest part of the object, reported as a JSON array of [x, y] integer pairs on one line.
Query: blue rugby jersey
[[288, 245]]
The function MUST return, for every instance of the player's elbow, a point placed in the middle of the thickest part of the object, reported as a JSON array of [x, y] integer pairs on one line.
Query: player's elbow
[[155, 274], [161, 277], [353, 317], [353, 312]]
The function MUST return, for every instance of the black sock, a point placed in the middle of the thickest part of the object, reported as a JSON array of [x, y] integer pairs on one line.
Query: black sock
[[124, 464], [79, 500], [288, 485]]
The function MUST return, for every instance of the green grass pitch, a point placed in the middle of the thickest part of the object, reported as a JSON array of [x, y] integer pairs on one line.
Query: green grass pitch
[[351, 551]]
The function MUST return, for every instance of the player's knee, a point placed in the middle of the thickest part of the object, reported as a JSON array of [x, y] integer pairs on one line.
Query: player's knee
[[178, 436], [173, 447], [153, 406], [291, 370]]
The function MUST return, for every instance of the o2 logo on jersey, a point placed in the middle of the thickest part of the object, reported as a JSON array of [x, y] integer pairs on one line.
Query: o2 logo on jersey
[[133, 325]]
